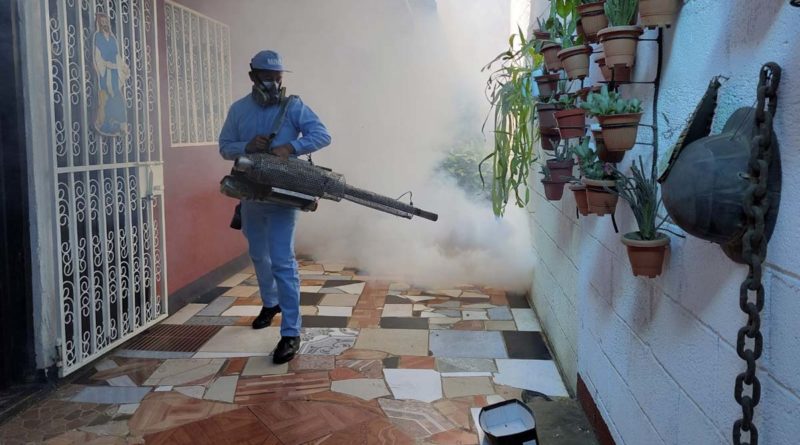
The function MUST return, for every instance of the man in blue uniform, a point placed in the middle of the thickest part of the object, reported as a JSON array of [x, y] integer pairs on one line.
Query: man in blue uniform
[[269, 228]]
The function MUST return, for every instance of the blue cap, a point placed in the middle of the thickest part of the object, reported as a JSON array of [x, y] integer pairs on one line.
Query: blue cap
[[267, 60]]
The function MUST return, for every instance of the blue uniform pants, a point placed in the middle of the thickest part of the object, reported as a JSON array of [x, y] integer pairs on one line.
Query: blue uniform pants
[[269, 229]]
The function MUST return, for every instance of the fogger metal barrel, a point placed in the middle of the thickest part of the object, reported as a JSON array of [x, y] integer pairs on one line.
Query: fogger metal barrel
[[306, 178]]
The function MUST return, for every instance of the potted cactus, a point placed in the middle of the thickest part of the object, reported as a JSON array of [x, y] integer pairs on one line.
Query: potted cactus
[[593, 18], [599, 178], [658, 13], [647, 246], [618, 118], [571, 118], [621, 37]]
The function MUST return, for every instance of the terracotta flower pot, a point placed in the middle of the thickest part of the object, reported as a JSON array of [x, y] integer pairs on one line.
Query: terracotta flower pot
[[599, 200], [550, 52], [619, 44], [575, 61], [646, 256], [593, 18], [553, 190], [547, 84], [620, 130], [580, 198], [547, 119], [603, 153], [549, 139], [560, 171], [655, 13], [541, 35], [571, 123], [620, 73]]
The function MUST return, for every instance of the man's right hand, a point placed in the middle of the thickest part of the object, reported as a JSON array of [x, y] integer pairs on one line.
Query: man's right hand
[[259, 144]]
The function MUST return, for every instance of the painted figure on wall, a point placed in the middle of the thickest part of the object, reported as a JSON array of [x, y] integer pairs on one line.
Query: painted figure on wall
[[111, 114]]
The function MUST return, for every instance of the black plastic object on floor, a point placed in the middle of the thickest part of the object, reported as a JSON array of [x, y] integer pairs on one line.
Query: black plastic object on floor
[[508, 423]]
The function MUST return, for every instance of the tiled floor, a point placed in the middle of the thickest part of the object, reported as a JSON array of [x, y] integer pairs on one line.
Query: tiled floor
[[381, 362]]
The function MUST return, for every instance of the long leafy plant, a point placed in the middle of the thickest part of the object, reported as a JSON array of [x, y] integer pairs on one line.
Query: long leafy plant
[[509, 90], [641, 193]]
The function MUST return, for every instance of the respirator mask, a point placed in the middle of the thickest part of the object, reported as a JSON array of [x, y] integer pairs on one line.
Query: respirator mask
[[266, 93]]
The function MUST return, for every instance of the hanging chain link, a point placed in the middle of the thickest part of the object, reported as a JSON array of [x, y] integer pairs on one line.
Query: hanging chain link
[[754, 252]]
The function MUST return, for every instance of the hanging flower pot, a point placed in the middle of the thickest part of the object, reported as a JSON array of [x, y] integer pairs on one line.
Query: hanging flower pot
[[620, 73], [600, 201], [593, 19], [575, 61], [553, 190], [646, 256], [619, 44], [550, 52], [603, 153], [580, 198], [560, 170], [620, 130], [547, 120], [657, 13], [571, 123], [549, 138], [547, 84]]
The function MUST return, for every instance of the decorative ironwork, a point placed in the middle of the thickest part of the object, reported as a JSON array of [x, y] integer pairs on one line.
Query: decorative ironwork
[[108, 224], [198, 49]]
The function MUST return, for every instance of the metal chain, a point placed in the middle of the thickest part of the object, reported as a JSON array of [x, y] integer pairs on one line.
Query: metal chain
[[754, 252]]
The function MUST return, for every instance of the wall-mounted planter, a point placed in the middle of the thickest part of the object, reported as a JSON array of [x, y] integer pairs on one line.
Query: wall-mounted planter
[[553, 190], [560, 170], [619, 44], [571, 123], [657, 13], [600, 201], [550, 52], [646, 256], [549, 138], [580, 198], [548, 84], [620, 130], [603, 153], [593, 19], [575, 61], [547, 119], [620, 74]]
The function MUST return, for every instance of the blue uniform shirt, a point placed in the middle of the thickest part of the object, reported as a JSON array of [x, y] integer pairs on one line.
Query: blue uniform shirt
[[246, 120]]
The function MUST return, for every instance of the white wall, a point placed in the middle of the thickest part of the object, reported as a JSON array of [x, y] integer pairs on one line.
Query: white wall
[[658, 356]]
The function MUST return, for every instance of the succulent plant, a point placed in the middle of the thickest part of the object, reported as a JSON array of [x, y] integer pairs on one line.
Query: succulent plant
[[621, 12], [607, 103]]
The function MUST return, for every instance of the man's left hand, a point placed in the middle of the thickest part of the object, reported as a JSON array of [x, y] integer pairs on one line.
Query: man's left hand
[[284, 151]]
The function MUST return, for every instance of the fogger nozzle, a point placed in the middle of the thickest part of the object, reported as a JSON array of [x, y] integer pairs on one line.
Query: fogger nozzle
[[243, 164]]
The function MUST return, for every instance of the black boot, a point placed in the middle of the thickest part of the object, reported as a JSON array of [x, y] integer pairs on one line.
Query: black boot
[[285, 350], [265, 317]]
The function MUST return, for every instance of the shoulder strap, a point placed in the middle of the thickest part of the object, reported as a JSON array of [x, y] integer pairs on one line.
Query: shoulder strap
[[276, 126]]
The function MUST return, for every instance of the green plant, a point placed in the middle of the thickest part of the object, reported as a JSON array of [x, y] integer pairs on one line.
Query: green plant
[[591, 166], [621, 12], [607, 102], [461, 164], [641, 193], [545, 172], [568, 101], [563, 152], [510, 94]]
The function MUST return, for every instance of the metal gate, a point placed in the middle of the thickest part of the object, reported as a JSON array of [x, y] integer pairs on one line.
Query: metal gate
[[105, 128]]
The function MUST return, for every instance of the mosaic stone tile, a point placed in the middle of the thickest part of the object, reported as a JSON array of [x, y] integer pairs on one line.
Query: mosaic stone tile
[[118, 428], [518, 301], [239, 426], [526, 345], [81, 438], [355, 289], [136, 370], [394, 341], [468, 325], [48, 419], [327, 341], [127, 409], [395, 299], [374, 432], [234, 280], [334, 311], [474, 315], [344, 374], [166, 410], [500, 325], [110, 395], [432, 314], [468, 344], [366, 389], [467, 386], [263, 366], [449, 313], [243, 339], [417, 419], [456, 410], [412, 362], [332, 290], [447, 305], [185, 372], [535, 375], [262, 389], [397, 310], [312, 362], [465, 296], [310, 299], [480, 306], [339, 300], [223, 389], [196, 392], [362, 354], [453, 293], [424, 385], [184, 314], [216, 307], [399, 287], [325, 321], [310, 289], [526, 320], [461, 437], [391, 362], [344, 399], [304, 311], [243, 311], [241, 291], [371, 368], [296, 422], [212, 321], [404, 323], [333, 267]]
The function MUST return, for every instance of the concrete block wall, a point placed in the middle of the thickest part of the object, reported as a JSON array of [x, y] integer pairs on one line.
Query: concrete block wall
[[658, 356]]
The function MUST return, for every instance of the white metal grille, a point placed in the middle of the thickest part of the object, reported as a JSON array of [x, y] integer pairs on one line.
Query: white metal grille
[[198, 49], [109, 205]]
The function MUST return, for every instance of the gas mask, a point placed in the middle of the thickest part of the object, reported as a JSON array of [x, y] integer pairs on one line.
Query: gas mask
[[267, 93]]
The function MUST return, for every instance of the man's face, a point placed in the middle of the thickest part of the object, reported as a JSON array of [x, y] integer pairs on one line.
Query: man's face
[[103, 22], [268, 76]]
